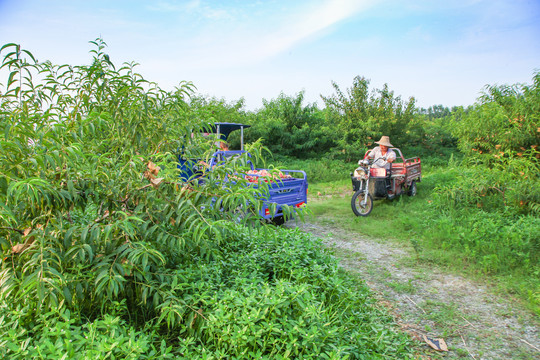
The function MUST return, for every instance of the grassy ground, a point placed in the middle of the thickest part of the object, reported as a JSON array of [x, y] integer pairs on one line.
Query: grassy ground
[[441, 237], [333, 200], [426, 299]]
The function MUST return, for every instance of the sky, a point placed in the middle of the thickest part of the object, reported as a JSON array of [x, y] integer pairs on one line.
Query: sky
[[439, 52]]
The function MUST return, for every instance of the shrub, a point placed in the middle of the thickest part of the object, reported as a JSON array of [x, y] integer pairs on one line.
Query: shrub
[[106, 253]]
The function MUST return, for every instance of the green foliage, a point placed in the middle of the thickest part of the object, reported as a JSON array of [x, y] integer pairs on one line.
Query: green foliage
[[344, 130], [492, 211], [288, 128], [105, 253], [278, 295], [78, 144], [435, 112], [433, 135], [217, 110], [360, 118], [268, 293], [59, 335], [469, 220], [505, 124], [510, 186], [499, 138], [486, 209]]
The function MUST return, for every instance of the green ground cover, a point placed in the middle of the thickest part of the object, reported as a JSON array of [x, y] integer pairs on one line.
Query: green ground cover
[[269, 293]]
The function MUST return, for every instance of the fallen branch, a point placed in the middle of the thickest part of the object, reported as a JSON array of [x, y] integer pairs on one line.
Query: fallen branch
[[468, 322], [466, 348], [415, 304], [531, 345]]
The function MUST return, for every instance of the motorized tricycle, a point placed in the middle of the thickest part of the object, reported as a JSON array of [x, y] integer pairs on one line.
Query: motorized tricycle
[[371, 181]]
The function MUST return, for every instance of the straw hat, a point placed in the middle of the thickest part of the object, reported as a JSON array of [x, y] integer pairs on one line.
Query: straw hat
[[385, 140]]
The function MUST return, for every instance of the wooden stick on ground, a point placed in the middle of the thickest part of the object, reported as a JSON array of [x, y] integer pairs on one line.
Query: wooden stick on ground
[[466, 348], [531, 345], [468, 322], [415, 304]]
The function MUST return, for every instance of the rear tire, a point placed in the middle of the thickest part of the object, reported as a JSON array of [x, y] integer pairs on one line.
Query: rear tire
[[278, 220], [412, 189], [356, 206]]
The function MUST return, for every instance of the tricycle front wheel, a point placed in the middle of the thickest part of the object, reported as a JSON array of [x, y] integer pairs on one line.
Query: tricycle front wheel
[[358, 208]]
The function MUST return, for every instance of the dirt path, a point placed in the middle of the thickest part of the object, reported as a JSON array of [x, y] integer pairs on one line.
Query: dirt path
[[473, 322]]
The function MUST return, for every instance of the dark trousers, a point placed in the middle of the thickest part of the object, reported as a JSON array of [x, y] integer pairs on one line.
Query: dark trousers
[[388, 179]]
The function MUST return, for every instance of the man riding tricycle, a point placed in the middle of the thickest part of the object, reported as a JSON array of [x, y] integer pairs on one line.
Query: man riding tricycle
[[383, 173]]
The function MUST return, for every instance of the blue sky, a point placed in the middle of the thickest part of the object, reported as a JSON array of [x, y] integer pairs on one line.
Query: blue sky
[[440, 52]]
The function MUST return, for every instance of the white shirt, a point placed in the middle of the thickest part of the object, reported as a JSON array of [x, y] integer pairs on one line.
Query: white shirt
[[377, 154]]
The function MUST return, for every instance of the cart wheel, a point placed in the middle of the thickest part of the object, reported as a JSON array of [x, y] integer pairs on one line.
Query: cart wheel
[[278, 220], [412, 189], [356, 204]]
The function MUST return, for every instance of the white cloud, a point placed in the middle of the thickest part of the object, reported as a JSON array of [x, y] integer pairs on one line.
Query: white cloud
[[437, 52], [264, 38]]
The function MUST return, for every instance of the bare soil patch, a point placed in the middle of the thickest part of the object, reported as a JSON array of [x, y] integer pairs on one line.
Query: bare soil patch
[[474, 322]]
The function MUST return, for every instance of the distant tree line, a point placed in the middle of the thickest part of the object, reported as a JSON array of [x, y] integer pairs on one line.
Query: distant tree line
[[505, 118], [344, 129]]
